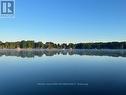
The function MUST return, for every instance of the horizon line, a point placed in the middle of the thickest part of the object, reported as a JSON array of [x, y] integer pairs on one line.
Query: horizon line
[[64, 41]]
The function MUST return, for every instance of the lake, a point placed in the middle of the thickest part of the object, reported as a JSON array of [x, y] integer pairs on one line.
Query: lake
[[63, 72]]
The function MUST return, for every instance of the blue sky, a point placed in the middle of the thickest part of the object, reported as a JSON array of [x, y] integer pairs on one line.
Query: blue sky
[[66, 21]]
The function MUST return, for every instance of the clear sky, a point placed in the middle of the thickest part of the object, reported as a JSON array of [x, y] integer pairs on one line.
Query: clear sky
[[66, 21]]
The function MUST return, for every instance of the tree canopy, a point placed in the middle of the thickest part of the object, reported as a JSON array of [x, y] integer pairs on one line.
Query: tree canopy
[[50, 45]]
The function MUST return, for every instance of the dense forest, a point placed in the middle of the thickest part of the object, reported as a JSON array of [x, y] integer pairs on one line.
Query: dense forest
[[51, 45]]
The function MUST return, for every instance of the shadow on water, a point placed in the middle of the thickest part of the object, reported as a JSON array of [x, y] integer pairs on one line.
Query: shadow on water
[[41, 52]]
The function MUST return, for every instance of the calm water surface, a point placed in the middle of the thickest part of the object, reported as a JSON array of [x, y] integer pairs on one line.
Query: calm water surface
[[63, 72]]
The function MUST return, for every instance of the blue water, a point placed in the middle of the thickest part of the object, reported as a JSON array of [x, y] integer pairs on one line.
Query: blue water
[[63, 72]]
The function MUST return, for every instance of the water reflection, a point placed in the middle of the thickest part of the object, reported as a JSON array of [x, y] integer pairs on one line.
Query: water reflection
[[40, 53]]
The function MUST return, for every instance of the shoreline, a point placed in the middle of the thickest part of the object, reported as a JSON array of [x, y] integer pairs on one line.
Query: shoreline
[[63, 49]]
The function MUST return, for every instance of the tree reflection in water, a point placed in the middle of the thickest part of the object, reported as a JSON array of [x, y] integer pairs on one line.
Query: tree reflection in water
[[40, 52]]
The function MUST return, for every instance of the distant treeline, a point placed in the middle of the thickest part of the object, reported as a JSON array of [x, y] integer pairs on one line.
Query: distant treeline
[[51, 45]]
